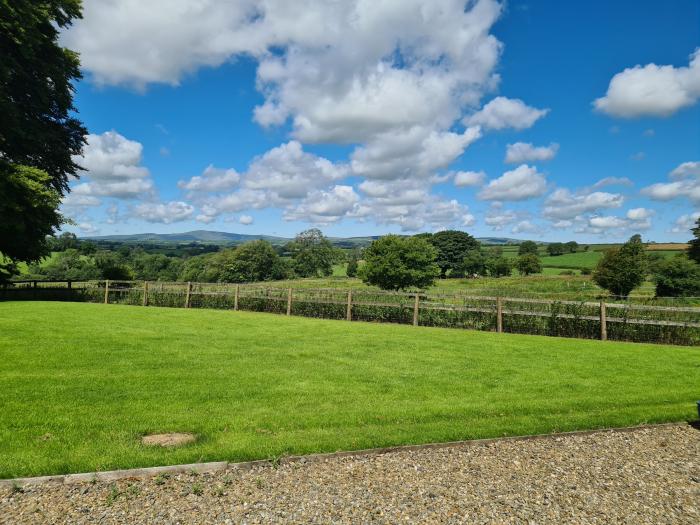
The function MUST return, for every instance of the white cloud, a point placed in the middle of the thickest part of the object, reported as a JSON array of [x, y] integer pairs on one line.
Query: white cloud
[[686, 184], [166, 213], [288, 172], [612, 181], [212, 180], [607, 222], [651, 90], [497, 218], [521, 183], [639, 214], [502, 112], [525, 152], [562, 204], [686, 170], [324, 207], [245, 220], [112, 165], [526, 227], [469, 178], [685, 223], [87, 227]]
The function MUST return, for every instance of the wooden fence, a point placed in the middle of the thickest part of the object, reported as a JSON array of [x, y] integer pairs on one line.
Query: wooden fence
[[584, 319]]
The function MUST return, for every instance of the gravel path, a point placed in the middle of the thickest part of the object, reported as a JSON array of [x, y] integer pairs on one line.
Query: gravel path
[[645, 476]]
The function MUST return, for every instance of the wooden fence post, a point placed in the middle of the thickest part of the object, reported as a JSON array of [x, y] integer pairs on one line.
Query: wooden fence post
[[187, 297], [145, 293], [34, 290], [289, 301], [499, 315], [70, 284], [235, 298], [416, 306], [107, 291], [348, 312], [603, 322]]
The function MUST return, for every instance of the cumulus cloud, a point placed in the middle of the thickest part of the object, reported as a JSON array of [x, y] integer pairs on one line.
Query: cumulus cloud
[[685, 184], [526, 227], [639, 214], [685, 222], [524, 182], [245, 220], [324, 207], [612, 181], [212, 180], [525, 152], [562, 204], [502, 112], [469, 178], [652, 90], [497, 219], [111, 164], [635, 220], [166, 213]]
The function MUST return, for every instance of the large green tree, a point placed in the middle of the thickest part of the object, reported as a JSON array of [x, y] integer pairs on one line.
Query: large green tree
[[622, 269], [677, 277], [397, 263], [39, 134], [38, 127], [248, 262], [452, 247], [312, 253], [528, 264], [528, 247]]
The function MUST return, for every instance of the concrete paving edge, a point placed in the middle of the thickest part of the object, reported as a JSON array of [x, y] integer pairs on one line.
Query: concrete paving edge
[[217, 466]]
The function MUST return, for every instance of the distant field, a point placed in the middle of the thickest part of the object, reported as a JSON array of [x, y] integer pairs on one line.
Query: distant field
[[79, 391], [572, 260]]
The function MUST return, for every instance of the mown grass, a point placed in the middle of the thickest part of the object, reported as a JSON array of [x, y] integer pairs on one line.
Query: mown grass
[[81, 383]]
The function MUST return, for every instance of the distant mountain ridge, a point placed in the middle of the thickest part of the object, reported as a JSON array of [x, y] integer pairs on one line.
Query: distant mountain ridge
[[217, 237]]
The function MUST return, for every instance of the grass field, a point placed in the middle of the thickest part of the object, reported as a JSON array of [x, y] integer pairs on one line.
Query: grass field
[[81, 383]]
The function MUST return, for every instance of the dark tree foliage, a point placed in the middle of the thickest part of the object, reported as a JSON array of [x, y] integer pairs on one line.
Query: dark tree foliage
[[622, 269], [677, 277], [452, 247], [527, 247], [474, 264], [353, 261], [397, 263], [571, 246], [555, 248], [528, 264], [37, 128], [694, 243], [312, 253], [112, 266], [28, 214], [69, 265], [498, 266], [248, 262]]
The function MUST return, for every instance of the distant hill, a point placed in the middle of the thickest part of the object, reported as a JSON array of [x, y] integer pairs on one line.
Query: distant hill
[[215, 237], [204, 236]]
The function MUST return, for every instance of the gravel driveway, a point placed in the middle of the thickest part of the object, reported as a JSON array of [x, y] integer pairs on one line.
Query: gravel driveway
[[646, 476]]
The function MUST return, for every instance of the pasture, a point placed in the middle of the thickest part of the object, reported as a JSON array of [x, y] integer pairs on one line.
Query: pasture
[[83, 382]]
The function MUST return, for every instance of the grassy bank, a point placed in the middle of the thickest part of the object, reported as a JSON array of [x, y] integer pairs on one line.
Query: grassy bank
[[82, 382]]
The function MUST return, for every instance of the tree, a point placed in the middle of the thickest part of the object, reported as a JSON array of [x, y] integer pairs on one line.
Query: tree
[[528, 247], [528, 264], [677, 277], [312, 253], [474, 264], [452, 247], [353, 261], [112, 266], [622, 269], [498, 266], [248, 262], [68, 264], [694, 244], [555, 248], [38, 128], [28, 216], [397, 263], [38, 134], [156, 267], [571, 246]]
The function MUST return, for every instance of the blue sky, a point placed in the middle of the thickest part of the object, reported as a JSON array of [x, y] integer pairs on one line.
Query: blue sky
[[397, 116]]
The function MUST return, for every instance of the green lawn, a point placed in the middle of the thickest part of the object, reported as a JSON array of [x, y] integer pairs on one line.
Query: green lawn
[[82, 382]]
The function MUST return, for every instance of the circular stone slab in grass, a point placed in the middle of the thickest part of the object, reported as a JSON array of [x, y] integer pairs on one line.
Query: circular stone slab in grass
[[175, 439]]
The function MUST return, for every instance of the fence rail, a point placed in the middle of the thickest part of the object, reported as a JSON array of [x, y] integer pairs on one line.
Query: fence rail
[[583, 319]]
